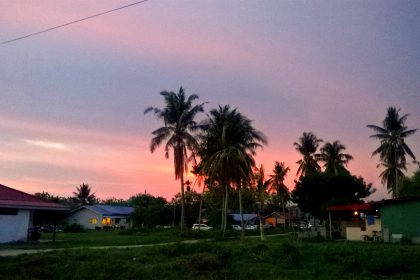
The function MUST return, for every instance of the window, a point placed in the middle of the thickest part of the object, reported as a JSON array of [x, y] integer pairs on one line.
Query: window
[[117, 221], [93, 221], [106, 221]]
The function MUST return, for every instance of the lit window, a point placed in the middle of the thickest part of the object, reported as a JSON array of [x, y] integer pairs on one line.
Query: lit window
[[93, 221], [106, 221]]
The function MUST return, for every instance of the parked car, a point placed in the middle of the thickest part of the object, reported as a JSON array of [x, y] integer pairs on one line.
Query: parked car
[[251, 227], [304, 225], [201, 227], [236, 227]]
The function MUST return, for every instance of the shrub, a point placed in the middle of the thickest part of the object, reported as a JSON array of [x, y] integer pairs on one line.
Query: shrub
[[292, 253], [74, 228], [201, 262]]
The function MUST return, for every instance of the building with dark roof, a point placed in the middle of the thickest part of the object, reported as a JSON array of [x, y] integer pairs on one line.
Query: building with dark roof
[[18, 211], [101, 216]]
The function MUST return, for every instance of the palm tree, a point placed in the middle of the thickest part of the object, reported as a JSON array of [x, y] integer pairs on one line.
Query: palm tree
[[333, 157], [393, 149], [229, 144], [179, 125], [277, 184], [83, 194], [262, 193], [307, 146]]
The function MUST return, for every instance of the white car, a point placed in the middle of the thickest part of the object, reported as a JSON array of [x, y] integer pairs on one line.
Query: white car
[[201, 227], [251, 227], [236, 227]]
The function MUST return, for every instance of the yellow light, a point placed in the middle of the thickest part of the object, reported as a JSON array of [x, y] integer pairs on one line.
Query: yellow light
[[106, 221], [355, 213]]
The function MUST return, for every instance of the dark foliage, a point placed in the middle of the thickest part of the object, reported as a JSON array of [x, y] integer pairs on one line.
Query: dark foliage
[[150, 211], [314, 192]]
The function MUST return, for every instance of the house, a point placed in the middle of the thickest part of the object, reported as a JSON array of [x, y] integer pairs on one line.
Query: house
[[248, 219], [400, 219], [357, 221], [19, 212], [275, 219], [101, 216], [291, 217], [388, 220]]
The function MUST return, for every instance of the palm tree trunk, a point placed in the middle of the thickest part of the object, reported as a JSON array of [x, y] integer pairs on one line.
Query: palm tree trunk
[[225, 209], [396, 174], [173, 220], [182, 202], [201, 206], [261, 226], [240, 213]]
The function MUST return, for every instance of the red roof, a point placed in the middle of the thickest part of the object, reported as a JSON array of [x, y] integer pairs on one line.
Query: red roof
[[350, 207], [11, 198]]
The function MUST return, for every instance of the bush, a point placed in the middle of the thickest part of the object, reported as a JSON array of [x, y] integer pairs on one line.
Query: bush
[[201, 262], [74, 228], [292, 253]]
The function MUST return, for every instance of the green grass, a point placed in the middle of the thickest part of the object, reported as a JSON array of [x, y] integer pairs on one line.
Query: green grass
[[276, 258], [106, 238]]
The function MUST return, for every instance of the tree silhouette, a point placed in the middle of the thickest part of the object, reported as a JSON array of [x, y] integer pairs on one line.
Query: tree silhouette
[[83, 194], [229, 145], [307, 147], [333, 157], [179, 125], [277, 184], [393, 149]]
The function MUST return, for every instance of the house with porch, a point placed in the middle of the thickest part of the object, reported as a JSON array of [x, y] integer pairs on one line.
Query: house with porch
[[389, 220], [101, 216], [357, 221], [19, 212]]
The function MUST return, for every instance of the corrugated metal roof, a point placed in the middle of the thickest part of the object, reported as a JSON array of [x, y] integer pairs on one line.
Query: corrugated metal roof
[[350, 207], [109, 210], [245, 217], [12, 198]]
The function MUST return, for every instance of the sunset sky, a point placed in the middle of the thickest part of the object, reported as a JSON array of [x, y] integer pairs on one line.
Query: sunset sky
[[72, 99]]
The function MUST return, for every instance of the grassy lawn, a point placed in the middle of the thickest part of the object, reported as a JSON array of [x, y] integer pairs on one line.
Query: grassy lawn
[[105, 238], [277, 258]]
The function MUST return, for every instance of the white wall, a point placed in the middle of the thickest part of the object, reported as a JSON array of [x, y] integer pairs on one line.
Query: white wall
[[82, 218], [15, 227]]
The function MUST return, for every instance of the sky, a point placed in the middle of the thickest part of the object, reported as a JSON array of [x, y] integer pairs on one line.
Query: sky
[[73, 98]]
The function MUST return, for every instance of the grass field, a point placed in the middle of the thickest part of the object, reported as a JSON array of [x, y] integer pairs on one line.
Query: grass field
[[98, 238], [278, 257]]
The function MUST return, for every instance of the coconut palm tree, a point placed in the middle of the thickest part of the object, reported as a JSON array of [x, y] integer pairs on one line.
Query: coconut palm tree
[[393, 149], [229, 145], [178, 117], [262, 186], [334, 159], [307, 147], [83, 194], [277, 184]]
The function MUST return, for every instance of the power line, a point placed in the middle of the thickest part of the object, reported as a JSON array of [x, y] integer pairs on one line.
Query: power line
[[72, 22]]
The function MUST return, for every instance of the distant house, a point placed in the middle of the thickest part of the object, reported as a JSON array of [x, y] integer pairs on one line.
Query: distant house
[[19, 210], [275, 219], [248, 219], [101, 216]]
